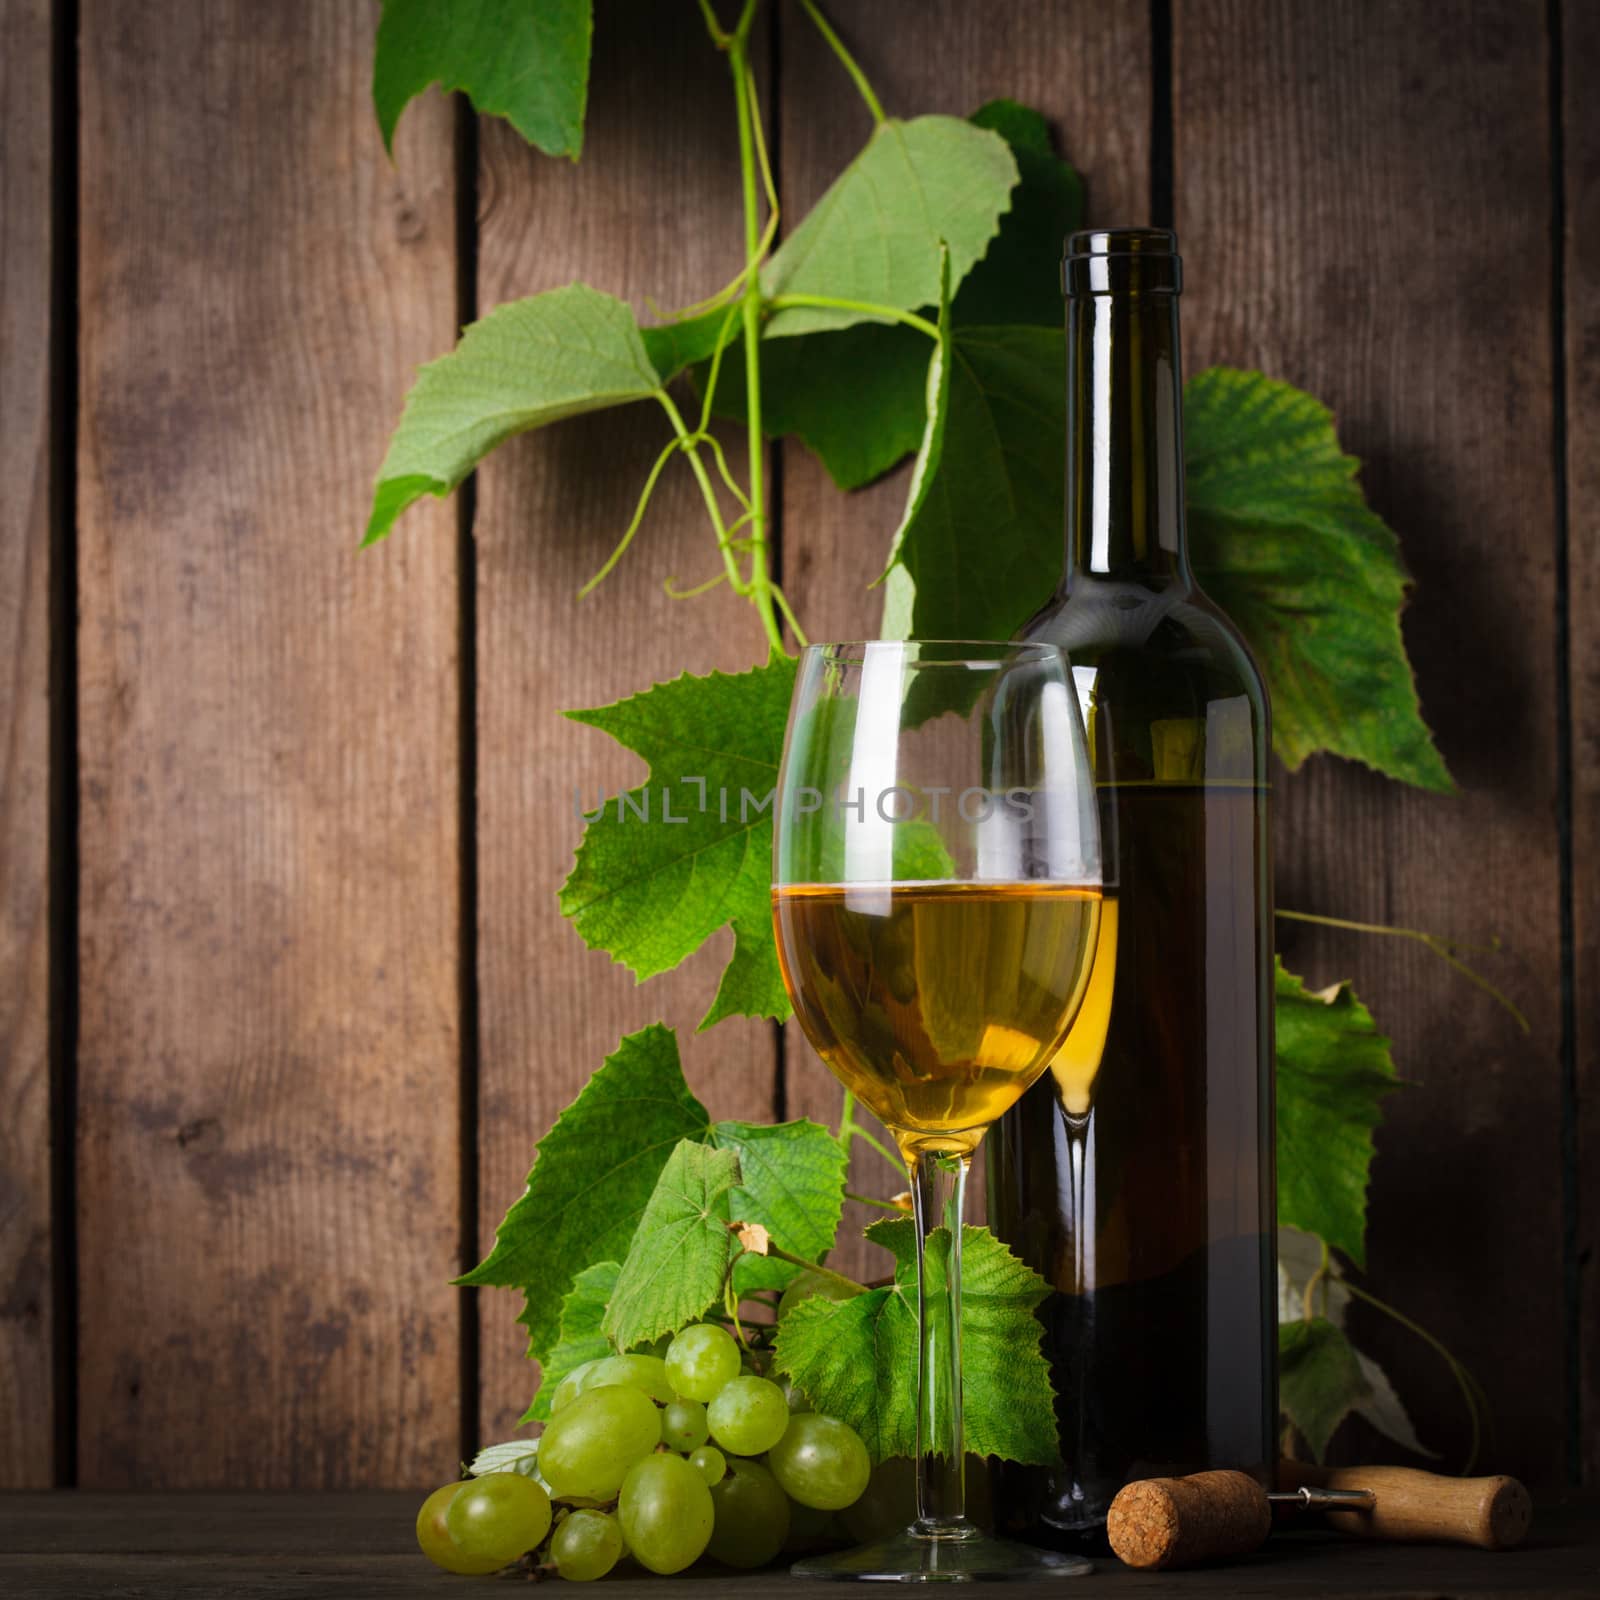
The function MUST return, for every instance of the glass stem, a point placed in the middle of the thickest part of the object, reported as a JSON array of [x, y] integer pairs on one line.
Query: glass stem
[[1078, 1131], [938, 1186]]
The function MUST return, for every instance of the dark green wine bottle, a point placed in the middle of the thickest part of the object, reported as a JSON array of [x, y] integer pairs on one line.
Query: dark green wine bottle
[[1137, 1176]]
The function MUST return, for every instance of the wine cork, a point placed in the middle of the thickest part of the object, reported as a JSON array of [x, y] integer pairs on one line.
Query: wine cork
[[1177, 1522]]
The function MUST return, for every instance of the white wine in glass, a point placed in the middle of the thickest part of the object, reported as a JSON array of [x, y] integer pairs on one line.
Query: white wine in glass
[[935, 1004]]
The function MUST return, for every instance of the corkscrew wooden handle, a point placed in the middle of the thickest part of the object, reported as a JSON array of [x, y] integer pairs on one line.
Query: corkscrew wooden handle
[[1491, 1513]]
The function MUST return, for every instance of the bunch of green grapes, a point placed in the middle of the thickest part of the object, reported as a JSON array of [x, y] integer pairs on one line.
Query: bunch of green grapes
[[661, 1458]]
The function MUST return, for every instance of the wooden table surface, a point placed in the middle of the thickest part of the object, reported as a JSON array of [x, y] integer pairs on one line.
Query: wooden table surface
[[243, 1546]]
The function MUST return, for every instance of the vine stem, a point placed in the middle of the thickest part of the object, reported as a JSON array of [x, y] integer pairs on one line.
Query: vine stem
[[812, 1267], [850, 1130], [1444, 948], [867, 308], [1464, 1379], [868, 1200], [759, 584], [789, 616], [848, 61], [708, 491], [719, 35], [714, 445], [715, 370], [672, 592], [638, 517]]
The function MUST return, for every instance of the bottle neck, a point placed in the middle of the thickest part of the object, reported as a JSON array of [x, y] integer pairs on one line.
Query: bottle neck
[[1124, 440]]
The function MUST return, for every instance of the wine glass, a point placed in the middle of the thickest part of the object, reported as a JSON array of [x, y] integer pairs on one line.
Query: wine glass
[[936, 896]]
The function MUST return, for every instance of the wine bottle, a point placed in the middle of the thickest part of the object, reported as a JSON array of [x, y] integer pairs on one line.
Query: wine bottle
[[1137, 1176]]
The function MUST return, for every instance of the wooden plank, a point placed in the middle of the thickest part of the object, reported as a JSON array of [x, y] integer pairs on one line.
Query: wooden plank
[[149, 1547], [26, 260], [268, 1165], [1363, 196], [923, 56], [1581, 64], [651, 210]]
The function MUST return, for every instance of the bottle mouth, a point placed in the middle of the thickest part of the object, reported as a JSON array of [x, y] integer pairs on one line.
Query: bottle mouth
[[1122, 261]]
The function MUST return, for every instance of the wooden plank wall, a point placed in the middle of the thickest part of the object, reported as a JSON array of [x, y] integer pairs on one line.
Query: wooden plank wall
[[1363, 194], [324, 1002], [1579, 130], [27, 466], [269, 1057]]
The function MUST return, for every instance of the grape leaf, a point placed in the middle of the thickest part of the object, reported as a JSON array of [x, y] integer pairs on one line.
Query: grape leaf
[[1319, 1379], [672, 346], [1023, 128], [792, 1182], [1280, 535], [857, 1358], [515, 1455], [583, 1308], [690, 851], [875, 235], [527, 363], [1299, 1260], [999, 471], [1334, 1068], [856, 397], [593, 1176], [1300, 1257], [679, 1256], [1381, 1406], [1019, 278], [1284, 541], [524, 60]]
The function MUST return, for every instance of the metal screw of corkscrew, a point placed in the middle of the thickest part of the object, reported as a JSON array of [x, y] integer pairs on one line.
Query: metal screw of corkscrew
[[1305, 1498]]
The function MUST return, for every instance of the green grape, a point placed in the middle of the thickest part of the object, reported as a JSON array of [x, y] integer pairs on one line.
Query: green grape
[[821, 1462], [701, 1359], [586, 1451], [747, 1416], [587, 1545], [711, 1462], [752, 1516], [434, 1536], [571, 1387], [645, 1373], [809, 1529], [665, 1511], [683, 1425], [812, 1285], [498, 1517]]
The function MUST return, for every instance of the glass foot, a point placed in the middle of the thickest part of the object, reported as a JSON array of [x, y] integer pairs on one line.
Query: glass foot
[[970, 1557]]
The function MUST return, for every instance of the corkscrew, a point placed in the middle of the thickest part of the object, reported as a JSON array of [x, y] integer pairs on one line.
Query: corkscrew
[[1208, 1516]]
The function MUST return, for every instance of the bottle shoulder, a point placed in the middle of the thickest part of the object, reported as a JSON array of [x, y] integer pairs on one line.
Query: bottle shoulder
[[1167, 685], [1176, 631]]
